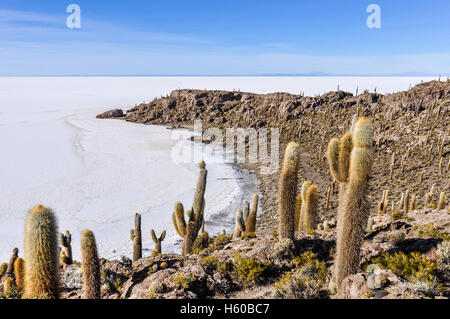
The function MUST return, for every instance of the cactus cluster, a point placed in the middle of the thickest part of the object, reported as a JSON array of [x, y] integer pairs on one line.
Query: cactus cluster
[[309, 208], [245, 222], [350, 161]]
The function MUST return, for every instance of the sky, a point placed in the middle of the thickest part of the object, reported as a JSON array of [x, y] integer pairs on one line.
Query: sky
[[245, 37]]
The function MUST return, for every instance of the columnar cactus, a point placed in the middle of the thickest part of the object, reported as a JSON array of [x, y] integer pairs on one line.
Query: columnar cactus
[[412, 204], [90, 265], [66, 242], [383, 203], [309, 209], [8, 286], [351, 166], [406, 203], [41, 254], [15, 255], [442, 200], [239, 224], [157, 240], [189, 231], [3, 268], [250, 223], [19, 272], [136, 237], [288, 191]]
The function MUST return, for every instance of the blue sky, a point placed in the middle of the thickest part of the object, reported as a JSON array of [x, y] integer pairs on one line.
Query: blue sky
[[145, 37]]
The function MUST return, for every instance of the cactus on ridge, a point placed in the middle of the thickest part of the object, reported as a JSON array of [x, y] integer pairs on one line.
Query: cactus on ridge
[[15, 255], [442, 200], [350, 161], [41, 255], [90, 265], [309, 210], [3, 268], [189, 230], [288, 191], [19, 272], [157, 240], [136, 237], [66, 242]]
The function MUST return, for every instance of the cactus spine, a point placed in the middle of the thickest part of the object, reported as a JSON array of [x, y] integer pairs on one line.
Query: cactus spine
[[288, 191], [41, 255], [66, 242], [157, 240], [90, 265], [351, 167], [309, 209], [19, 272], [136, 237], [189, 231]]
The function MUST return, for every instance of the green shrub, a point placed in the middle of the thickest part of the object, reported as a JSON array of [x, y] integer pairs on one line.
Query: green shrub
[[413, 266], [183, 280], [248, 269]]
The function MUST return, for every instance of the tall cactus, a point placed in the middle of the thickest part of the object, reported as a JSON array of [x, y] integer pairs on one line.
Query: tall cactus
[[189, 231], [136, 237], [90, 265], [288, 191], [19, 272], [157, 240], [66, 242], [353, 211], [309, 210], [41, 254]]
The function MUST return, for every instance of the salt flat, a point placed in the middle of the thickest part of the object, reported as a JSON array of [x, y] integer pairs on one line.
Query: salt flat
[[98, 173]]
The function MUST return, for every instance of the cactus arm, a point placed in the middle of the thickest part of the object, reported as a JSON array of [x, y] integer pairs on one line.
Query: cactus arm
[[163, 235], [154, 238]]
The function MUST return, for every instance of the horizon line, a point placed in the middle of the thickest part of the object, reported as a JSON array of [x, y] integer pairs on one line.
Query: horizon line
[[236, 75]]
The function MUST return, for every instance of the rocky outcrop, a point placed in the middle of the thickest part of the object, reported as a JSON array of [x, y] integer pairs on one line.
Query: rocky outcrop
[[111, 114]]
